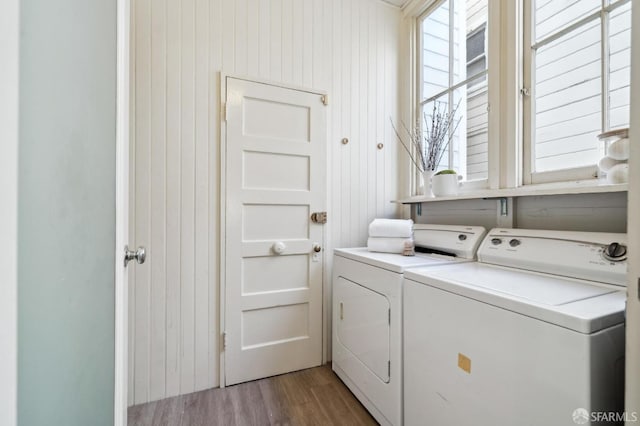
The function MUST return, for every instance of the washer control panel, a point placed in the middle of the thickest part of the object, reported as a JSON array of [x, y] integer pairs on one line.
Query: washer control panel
[[587, 255], [462, 241]]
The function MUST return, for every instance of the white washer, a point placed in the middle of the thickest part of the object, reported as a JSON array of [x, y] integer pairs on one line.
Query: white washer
[[532, 333], [367, 313]]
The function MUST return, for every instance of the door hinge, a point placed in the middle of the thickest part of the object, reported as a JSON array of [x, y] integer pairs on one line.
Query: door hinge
[[325, 100], [224, 340], [639, 288], [341, 311], [389, 316], [389, 368], [224, 112], [525, 91]]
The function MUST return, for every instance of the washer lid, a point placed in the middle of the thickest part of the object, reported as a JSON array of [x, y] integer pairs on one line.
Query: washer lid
[[395, 262], [580, 305]]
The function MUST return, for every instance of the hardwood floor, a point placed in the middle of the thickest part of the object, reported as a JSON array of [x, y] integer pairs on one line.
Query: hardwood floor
[[309, 397]]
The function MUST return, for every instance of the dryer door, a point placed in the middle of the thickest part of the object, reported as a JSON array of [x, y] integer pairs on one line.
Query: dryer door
[[363, 325]]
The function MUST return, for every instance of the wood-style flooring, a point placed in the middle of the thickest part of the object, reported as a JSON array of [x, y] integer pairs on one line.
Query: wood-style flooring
[[309, 397]]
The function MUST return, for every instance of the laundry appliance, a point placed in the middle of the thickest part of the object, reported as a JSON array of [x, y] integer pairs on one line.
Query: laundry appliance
[[532, 333], [367, 312]]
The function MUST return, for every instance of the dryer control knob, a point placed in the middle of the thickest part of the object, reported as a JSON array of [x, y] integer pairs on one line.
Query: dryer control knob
[[514, 243], [615, 252], [496, 241]]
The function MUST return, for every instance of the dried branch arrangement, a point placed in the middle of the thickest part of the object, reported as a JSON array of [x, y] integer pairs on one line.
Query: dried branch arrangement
[[430, 142]]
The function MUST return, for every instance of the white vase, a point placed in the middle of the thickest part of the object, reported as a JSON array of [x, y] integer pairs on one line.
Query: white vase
[[427, 175]]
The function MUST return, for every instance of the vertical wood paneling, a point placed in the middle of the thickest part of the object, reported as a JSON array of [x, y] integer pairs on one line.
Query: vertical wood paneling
[[132, 217], [173, 305], [241, 36], [287, 40], [203, 379], [187, 231], [307, 40], [346, 124], [381, 118], [227, 23], [157, 262], [275, 49], [215, 64], [347, 48], [365, 144], [297, 51], [356, 142], [140, 279], [253, 37], [264, 43]]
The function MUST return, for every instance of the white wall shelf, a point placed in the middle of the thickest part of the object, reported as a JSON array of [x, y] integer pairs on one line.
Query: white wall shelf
[[559, 188]]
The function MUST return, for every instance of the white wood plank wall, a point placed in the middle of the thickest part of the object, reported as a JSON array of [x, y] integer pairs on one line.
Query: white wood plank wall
[[347, 47]]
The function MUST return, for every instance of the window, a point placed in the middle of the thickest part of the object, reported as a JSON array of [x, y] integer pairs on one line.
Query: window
[[577, 71], [453, 74]]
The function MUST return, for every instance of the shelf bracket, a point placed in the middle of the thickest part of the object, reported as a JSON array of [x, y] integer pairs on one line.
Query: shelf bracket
[[504, 206]]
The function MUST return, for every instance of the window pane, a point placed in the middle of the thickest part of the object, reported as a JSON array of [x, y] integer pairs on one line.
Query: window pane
[[475, 44], [552, 15], [619, 66], [568, 100], [469, 38], [474, 125], [468, 144], [467, 153], [435, 51], [429, 125]]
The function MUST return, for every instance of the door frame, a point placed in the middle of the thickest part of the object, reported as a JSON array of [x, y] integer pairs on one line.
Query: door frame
[[326, 306], [122, 211], [9, 123]]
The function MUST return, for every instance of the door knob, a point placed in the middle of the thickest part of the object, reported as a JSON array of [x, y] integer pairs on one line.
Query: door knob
[[139, 255], [317, 248], [278, 247]]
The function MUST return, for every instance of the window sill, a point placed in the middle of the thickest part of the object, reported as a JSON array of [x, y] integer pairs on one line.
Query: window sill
[[556, 188]]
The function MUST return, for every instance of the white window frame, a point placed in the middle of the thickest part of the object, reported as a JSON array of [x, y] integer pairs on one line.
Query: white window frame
[[589, 172], [492, 32]]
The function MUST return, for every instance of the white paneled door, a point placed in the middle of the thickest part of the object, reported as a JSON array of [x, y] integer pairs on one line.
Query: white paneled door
[[275, 180]]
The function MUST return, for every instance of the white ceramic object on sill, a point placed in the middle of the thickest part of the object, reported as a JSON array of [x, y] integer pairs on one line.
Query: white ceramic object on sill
[[606, 163], [618, 174], [427, 177], [445, 185], [619, 150]]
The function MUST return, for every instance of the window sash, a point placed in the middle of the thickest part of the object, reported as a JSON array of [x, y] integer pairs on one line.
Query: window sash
[[530, 48], [449, 91]]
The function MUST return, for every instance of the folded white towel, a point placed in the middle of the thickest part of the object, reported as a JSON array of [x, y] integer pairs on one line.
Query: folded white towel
[[391, 245], [391, 228]]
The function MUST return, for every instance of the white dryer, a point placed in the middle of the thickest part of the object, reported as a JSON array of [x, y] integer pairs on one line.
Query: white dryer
[[532, 333], [367, 313]]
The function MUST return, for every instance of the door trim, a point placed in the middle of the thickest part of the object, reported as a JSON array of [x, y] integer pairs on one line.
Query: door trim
[[122, 212], [223, 208], [632, 370], [9, 108]]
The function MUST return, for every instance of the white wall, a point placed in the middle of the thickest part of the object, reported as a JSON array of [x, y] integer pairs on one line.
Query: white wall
[[9, 39], [348, 48]]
